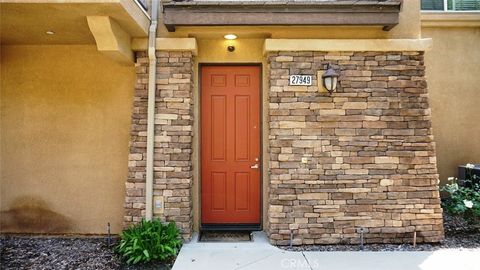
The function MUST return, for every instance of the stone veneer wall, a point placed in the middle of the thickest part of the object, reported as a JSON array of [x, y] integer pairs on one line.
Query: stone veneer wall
[[371, 156], [173, 140]]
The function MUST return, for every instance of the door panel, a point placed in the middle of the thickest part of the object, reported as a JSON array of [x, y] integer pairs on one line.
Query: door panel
[[219, 188], [219, 128], [242, 186], [242, 126], [230, 144]]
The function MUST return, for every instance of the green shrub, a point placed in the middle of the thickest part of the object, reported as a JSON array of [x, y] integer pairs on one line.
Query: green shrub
[[149, 241], [463, 200]]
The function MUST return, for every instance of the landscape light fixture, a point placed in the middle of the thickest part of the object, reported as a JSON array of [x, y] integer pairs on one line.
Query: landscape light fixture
[[230, 36]]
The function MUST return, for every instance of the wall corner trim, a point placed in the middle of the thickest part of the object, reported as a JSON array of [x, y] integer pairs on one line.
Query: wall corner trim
[[167, 44], [272, 45]]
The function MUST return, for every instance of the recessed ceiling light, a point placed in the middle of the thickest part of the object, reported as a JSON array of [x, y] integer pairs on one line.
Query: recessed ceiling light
[[50, 33], [230, 37]]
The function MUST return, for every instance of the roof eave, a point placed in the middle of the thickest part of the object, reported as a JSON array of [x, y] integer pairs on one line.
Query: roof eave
[[354, 13]]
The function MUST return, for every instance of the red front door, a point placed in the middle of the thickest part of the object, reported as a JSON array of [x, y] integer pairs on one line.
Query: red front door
[[230, 146]]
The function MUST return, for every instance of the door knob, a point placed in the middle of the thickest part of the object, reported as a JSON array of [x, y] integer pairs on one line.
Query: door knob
[[254, 166]]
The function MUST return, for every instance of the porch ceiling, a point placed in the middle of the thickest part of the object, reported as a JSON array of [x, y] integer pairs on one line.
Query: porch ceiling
[[228, 13], [27, 21]]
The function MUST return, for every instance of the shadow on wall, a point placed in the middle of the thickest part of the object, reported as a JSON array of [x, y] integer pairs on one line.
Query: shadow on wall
[[32, 215]]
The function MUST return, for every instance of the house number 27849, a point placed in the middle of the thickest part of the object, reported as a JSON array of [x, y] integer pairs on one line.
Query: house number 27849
[[300, 80]]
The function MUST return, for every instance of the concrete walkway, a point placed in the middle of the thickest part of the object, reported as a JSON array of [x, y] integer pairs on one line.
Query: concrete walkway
[[259, 254]]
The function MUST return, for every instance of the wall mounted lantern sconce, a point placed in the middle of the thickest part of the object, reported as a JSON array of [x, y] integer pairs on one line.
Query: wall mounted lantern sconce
[[330, 79]]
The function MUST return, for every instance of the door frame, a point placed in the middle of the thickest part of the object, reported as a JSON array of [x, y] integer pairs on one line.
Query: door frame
[[230, 227]]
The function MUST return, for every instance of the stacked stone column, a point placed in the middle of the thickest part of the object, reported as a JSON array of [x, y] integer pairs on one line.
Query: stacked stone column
[[173, 140], [369, 148]]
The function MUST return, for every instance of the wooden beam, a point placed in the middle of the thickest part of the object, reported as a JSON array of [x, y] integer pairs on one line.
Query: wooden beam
[[178, 18], [200, 14], [111, 39], [388, 27]]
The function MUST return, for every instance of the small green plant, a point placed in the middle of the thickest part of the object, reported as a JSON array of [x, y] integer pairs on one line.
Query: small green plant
[[463, 200], [149, 241]]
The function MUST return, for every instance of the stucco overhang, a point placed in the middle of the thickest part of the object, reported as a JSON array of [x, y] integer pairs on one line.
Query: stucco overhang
[[217, 13], [27, 21], [273, 45], [450, 19], [167, 44]]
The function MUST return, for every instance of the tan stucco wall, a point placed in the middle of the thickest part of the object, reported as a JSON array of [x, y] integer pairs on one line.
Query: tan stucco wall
[[65, 120], [453, 69], [66, 115]]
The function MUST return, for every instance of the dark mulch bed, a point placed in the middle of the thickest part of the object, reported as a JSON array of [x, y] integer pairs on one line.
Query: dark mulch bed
[[458, 234], [37, 252], [27, 252]]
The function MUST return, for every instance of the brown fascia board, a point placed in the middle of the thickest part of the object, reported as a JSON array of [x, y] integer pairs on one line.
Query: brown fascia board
[[234, 13]]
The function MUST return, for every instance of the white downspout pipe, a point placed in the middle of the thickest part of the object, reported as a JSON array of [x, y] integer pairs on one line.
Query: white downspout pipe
[[152, 70]]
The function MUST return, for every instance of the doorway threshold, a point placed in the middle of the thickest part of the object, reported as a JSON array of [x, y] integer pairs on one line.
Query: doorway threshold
[[231, 227]]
